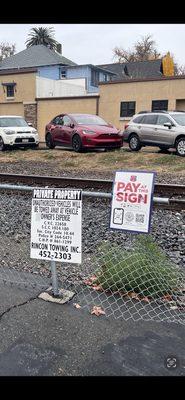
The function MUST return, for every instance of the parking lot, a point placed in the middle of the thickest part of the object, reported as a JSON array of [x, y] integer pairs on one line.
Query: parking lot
[[44, 339]]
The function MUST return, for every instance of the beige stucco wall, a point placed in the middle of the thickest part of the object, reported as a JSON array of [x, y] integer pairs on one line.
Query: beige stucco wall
[[25, 92], [48, 109], [25, 87], [142, 93], [12, 109]]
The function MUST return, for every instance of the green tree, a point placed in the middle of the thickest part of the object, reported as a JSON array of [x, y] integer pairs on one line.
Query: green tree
[[6, 50], [43, 36]]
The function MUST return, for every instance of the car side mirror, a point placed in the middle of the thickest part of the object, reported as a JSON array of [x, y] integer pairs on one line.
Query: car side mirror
[[168, 125], [71, 125], [30, 124]]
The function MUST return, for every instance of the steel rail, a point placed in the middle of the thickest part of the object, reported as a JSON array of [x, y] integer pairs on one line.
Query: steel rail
[[159, 188]]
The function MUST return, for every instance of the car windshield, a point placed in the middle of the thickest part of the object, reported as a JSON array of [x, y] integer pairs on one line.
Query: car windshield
[[179, 118], [89, 120], [11, 121]]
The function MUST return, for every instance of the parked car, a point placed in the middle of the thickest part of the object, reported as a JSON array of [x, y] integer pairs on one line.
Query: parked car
[[164, 129], [16, 132], [81, 131]]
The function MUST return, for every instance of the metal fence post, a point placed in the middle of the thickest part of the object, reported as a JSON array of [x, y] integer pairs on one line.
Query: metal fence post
[[54, 279]]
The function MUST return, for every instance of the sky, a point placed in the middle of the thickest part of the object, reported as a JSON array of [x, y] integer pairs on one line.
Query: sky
[[94, 43]]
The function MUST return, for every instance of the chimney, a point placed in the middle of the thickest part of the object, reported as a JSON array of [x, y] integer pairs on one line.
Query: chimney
[[59, 48]]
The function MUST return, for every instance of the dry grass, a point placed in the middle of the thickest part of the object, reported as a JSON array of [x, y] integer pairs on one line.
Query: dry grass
[[147, 159]]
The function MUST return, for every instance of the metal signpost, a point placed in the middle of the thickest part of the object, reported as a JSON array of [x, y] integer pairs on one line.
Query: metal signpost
[[56, 228]]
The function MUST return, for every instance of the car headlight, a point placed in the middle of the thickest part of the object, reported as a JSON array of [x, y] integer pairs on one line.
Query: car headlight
[[35, 132], [88, 131], [8, 132]]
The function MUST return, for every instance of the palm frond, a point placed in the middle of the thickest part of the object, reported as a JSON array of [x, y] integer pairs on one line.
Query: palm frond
[[41, 35]]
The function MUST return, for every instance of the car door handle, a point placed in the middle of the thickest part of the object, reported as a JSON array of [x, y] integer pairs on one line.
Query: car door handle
[[155, 129]]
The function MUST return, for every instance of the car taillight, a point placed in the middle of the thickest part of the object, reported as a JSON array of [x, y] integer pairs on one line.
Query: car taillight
[[126, 126]]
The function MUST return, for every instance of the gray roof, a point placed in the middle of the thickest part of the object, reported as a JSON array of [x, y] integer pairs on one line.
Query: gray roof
[[35, 56], [92, 66], [134, 70]]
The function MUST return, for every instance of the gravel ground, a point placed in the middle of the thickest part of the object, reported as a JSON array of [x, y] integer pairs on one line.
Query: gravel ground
[[168, 229]]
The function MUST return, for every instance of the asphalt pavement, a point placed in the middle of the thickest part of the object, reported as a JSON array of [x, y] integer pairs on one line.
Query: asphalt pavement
[[39, 338]]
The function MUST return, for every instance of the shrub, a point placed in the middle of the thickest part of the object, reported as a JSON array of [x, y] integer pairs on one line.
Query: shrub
[[145, 269]]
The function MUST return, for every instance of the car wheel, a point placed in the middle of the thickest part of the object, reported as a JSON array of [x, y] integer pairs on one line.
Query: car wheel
[[134, 143], [180, 147], [49, 142], [77, 143], [2, 145]]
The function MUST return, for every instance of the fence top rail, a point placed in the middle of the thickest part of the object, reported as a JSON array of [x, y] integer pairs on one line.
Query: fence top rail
[[162, 200]]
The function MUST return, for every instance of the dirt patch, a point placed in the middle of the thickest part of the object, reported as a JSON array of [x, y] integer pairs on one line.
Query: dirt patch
[[54, 162]]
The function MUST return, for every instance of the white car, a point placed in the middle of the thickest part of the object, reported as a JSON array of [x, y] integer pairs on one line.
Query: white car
[[16, 132]]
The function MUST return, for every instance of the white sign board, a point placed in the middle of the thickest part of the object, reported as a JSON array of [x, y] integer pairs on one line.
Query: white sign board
[[132, 201], [56, 225]]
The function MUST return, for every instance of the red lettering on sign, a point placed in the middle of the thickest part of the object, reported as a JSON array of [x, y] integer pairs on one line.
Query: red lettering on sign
[[119, 196], [135, 186], [129, 187], [142, 198], [132, 197], [120, 185]]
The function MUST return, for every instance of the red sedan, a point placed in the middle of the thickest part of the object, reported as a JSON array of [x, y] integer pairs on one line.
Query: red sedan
[[81, 131]]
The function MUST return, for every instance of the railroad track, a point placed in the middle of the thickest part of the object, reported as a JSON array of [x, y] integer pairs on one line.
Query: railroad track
[[166, 190]]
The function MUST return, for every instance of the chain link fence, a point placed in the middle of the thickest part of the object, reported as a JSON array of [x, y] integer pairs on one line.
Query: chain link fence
[[122, 275]]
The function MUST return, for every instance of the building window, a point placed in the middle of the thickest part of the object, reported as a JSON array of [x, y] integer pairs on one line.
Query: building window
[[94, 77], [9, 88], [158, 105], [63, 73], [10, 91], [127, 108]]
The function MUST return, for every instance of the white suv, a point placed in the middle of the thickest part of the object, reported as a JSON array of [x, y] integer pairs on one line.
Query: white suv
[[16, 132]]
